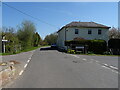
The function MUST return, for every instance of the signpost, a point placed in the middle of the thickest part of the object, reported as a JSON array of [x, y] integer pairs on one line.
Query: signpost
[[3, 45]]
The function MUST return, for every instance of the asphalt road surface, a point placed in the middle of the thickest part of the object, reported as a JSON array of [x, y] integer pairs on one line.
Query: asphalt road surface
[[52, 69]]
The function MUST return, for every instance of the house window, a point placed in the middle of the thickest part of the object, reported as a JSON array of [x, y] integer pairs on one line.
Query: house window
[[99, 31], [89, 31], [76, 31]]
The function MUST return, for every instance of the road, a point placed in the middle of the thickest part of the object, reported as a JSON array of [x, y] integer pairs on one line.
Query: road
[[52, 69], [21, 57]]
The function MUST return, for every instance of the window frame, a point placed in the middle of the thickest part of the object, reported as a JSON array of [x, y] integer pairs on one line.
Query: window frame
[[99, 31], [76, 32], [89, 31]]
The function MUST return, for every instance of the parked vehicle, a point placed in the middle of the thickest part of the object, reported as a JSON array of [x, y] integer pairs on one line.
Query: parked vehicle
[[53, 46]]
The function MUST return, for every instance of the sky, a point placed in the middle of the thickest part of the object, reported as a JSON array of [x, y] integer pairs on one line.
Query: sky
[[57, 14]]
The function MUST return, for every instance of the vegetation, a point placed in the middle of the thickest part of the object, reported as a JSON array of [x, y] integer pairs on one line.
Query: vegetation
[[114, 33], [95, 46], [25, 34], [51, 39], [71, 51], [25, 38]]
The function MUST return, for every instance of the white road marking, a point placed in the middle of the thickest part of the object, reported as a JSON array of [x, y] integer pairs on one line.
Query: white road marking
[[25, 65], [76, 56], [21, 72], [84, 59], [106, 64], [97, 61], [110, 69], [113, 67], [28, 61], [105, 67], [72, 55]]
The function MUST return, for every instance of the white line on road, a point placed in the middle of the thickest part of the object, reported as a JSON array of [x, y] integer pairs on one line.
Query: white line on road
[[97, 61], [21, 72], [25, 65], [28, 61], [110, 69], [113, 67], [29, 58], [84, 59], [105, 64], [76, 56], [105, 67]]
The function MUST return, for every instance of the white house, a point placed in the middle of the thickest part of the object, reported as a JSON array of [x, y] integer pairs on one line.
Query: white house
[[86, 30]]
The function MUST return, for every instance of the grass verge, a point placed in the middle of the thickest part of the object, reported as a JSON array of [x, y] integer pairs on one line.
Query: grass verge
[[26, 50]]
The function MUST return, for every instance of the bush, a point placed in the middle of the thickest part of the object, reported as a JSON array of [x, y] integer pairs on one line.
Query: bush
[[114, 43], [71, 51], [76, 42], [90, 52], [107, 53], [95, 46]]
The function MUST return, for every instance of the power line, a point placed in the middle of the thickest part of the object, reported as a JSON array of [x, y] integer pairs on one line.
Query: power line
[[30, 15]]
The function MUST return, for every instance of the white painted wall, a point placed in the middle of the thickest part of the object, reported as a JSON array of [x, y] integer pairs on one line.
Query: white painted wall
[[83, 32]]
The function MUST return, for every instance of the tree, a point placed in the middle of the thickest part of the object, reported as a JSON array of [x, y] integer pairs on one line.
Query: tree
[[51, 39], [10, 35], [36, 39], [25, 34], [114, 33]]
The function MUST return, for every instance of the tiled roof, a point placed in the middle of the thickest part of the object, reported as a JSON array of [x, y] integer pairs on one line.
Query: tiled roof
[[85, 25]]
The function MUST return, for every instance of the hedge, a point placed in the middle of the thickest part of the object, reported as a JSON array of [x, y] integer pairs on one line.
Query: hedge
[[114, 43], [96, 46]]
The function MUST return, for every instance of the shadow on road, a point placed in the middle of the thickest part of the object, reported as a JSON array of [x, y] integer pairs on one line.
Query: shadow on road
[[47, 48]]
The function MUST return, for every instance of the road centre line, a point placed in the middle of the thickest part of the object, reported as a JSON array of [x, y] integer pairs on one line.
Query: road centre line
[[25, 65], [21, 72], [28, 61]]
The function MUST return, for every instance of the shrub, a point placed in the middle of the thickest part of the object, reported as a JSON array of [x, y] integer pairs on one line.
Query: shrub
[[114, 43], [95, 46], [107, 53], [71, 51], [90, 52]]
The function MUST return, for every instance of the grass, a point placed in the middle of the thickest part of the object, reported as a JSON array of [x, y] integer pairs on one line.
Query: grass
[[26, 50]]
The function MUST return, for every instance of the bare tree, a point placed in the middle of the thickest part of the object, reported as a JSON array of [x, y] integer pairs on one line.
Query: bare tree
[[114, 33]]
